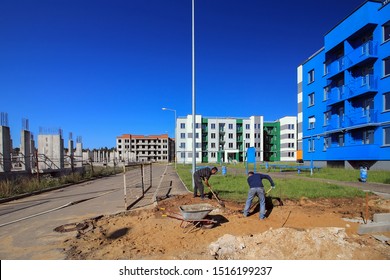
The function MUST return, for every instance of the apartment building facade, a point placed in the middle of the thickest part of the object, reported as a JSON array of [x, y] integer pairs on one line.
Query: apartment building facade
[[218, 139], [148, 148], [224, 139], [344, 93], [280, 140]]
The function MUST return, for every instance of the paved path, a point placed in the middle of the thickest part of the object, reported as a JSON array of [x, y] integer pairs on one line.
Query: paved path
[[27, 224]]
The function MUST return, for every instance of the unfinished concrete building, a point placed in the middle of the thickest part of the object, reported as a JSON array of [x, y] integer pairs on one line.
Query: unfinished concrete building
[[145, 148]]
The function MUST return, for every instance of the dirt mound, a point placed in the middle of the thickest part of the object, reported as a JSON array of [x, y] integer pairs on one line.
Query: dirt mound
[[305, 229]]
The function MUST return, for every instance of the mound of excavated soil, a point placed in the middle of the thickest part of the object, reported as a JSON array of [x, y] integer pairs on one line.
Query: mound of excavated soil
[[306, 229]]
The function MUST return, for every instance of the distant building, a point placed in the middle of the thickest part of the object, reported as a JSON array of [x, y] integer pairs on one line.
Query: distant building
[[344, 93], [226, 139], [145, 148], [280, 140]]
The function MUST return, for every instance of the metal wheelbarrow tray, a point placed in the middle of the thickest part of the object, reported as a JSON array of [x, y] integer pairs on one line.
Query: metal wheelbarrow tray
[[195, 211], [194, 216]]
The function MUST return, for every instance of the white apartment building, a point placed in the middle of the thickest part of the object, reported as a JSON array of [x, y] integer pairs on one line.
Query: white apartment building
[[218, 139], [288, 138]]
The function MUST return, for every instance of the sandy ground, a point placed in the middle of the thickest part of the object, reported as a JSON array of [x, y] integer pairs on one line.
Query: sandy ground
[[305, 229]]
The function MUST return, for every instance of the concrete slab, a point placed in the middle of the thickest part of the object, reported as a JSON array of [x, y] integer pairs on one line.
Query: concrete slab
[[381, 218], [373, 227]]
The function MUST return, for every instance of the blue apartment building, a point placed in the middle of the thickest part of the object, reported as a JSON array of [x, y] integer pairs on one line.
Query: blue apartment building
[[344, 93]]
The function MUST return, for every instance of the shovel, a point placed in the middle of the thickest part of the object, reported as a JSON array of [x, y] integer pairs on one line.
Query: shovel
[[216, 197]]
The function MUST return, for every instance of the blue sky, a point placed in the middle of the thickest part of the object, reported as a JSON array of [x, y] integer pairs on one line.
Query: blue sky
[[102, 68]]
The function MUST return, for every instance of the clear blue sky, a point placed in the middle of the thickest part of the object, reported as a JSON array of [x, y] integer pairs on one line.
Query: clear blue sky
[[102, 68]]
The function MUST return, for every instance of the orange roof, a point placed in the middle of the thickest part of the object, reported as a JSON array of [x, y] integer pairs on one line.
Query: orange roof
[[131, 136]]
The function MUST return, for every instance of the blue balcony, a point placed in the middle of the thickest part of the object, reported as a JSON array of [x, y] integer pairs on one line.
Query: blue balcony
[[361, 117], [337, 66], [334, 123], [362, 85], [358, 118], [367, 51], [354, 152], [336, 94]]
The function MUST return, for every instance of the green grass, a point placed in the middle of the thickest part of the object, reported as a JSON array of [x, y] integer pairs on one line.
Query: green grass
[[9, 188], [235, 187], [339, 174]]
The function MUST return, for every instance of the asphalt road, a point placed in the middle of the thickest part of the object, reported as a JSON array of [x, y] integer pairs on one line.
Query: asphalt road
[[27, 225]]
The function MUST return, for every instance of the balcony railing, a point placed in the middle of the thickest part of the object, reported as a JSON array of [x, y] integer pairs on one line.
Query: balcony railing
[[366, 51], [363, 84], [358, 117], [362, 117], [337, 66], [336, 94]]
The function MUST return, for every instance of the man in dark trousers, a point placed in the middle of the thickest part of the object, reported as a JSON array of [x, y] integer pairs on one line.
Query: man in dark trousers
[[202, 174], [256, 188]]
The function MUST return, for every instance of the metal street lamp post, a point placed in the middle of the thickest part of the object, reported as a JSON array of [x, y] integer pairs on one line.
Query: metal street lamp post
[[193, 96]]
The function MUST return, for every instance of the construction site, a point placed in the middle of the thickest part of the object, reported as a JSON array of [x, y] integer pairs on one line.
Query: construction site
[[47, 154]]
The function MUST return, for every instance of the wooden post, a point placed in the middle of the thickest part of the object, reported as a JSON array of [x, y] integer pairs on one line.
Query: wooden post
[[124, 185], [142, 179], [366, 207], [37, 162]]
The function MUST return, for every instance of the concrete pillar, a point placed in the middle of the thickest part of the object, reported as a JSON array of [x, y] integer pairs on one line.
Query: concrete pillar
[[32, 150], [52, 148], [25, 149], [70, 153], [79, 154], [5, 149]]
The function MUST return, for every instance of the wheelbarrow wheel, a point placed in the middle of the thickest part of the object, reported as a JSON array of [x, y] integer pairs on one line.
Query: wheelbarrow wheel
[[208, 224]]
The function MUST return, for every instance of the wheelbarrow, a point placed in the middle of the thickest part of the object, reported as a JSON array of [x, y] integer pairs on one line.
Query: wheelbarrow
[[193, 216]]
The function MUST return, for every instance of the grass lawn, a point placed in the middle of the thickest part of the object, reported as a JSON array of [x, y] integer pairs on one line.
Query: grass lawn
[[235, 187]]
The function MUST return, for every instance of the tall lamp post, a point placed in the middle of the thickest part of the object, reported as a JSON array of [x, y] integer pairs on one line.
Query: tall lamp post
[[167, 109], [193, 95]]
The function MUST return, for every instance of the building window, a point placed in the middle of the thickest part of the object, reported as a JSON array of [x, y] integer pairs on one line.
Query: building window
[[247, 135], [386, 136], [326, 93], [182, 125], [311, 145], [182, 135], [368, 137], [367, 105], [341, 140], [247, 126], [386, 67], [183, 145], [213, 126], [213, 145], [386, 101], [311, 99], [326, 118], [230, 145], [327, 141], [310, 76], [230, 126], [212, 154], [230, 135], [212, 135], [312, 122], [386, 31]]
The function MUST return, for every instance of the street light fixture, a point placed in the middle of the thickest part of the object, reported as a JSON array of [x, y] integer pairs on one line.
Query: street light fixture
[[167, 109]]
